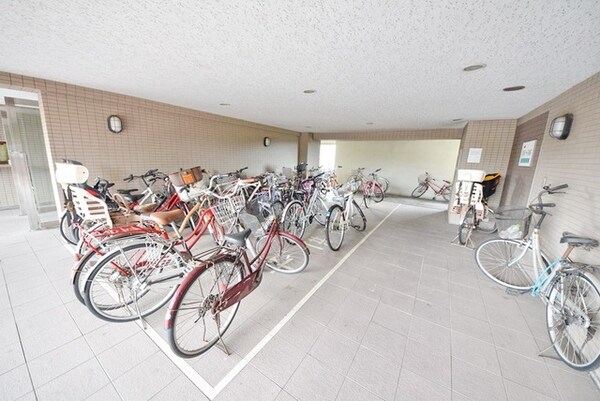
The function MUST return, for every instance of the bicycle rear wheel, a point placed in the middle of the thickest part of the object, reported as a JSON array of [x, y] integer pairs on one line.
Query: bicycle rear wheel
[[573, 319], [384, 183], [287, 254], [358, 220], [419, 191], [507, 262], [133, 280], [192, 326], [335, 227], [466, 226], [68, 227], [294, 219], [446, 193]]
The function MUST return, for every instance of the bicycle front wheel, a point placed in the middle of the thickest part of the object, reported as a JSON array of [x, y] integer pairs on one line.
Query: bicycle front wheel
[[573, 319], [358, 220], [335, 227], [507, 262], [384, 183], [193, 325], [466, 226], [294, 220], [419, 191], [133, 280], [445, 193], [287, 254]]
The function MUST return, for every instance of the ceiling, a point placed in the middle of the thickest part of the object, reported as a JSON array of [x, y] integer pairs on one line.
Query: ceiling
[[387, 65]]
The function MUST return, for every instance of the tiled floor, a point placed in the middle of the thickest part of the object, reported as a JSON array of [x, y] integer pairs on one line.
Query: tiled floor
[[405, 316]]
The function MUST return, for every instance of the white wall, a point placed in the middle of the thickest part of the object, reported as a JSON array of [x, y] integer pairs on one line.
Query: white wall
[[401, 161]]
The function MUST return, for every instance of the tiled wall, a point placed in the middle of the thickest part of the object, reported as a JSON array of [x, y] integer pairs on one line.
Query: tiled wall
[[156, 135], [518, 178], [575, 161], [495, 138]]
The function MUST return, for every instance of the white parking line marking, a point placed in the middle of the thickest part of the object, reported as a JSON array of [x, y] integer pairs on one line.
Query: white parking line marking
[[238, 368]]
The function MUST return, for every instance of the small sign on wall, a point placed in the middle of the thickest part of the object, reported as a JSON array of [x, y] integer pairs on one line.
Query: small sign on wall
[[527, 153], [474, 155]]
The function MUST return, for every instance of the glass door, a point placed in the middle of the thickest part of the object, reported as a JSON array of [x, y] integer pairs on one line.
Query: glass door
[[29, 162]]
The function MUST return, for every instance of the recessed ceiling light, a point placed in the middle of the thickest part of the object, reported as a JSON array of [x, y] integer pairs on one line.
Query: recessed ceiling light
[[370, 123], [513, 88], [310, 91], [474, 67], [224, 104], [308, 126]]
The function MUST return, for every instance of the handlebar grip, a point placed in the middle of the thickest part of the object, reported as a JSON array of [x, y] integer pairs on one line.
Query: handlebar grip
[[547, 204], [128, 179], [377, 170], [150, 172], [558, 188]]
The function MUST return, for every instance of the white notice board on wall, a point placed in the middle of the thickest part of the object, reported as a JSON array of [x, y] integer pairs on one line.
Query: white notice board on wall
[[474, 155], [527, 153]]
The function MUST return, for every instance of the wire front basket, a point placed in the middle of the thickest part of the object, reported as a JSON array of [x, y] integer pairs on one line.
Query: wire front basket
[[513, 223], [423, 178], [226, 211]]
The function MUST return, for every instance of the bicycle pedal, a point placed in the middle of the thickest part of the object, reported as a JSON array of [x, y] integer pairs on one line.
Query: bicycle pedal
[[512, 291]]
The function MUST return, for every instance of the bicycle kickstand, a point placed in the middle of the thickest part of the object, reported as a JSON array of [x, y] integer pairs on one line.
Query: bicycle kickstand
[[224, 348], [137, 309]]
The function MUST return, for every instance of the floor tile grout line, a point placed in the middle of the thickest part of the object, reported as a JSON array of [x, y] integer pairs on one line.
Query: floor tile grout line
[[20, 340], [183, 366], [237, 369]]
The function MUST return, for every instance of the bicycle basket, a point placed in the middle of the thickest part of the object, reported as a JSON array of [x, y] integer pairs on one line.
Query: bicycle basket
[[422, 179], [513, 223], [351, 186], [226, 211]]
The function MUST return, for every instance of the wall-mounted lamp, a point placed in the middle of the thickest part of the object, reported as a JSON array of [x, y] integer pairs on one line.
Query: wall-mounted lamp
[[561, 126], [266, 141], [115, 125]]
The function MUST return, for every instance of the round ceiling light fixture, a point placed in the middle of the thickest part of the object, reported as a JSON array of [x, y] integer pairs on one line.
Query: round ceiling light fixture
[[474, 67], [309, 91], [513, 88]]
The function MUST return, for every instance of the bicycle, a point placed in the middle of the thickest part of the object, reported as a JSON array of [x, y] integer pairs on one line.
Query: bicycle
[[358, 175], [207, 300], [478, 215], [426, 181], [568, 289], [343, 214], [309, 205]]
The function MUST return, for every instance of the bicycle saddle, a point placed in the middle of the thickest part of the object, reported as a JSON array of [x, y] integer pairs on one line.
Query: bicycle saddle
[[237, 239], [574, 240], [126, 191], [164, 218], [132, 197]]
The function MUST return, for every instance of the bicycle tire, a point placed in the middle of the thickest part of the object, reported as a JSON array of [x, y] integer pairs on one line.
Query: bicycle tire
[[335, 227], [319, 211], [377, 192], [384, 183], [573, 319], [419, 191], [288, 254], [445, 193], [81, 270], [188, 333], [368, 194], [465, 228], [358, 221], [68, 228], [111, 293], [496, 259], [294, 219]]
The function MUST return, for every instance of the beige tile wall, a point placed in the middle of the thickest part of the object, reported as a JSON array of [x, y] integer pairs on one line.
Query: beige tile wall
[[575, 161], [518, 178], [156, 135], [495, 138]]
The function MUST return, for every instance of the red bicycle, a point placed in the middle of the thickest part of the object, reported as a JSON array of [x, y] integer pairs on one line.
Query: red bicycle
[[207, 300]]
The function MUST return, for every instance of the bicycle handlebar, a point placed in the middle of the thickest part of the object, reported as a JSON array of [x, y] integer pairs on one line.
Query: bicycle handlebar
[[556, 188]]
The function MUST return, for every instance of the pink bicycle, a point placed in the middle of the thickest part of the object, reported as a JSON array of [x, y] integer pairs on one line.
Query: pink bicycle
[[426, 181]]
